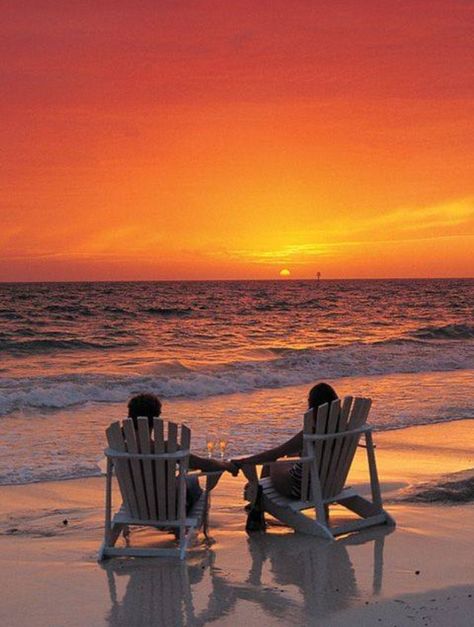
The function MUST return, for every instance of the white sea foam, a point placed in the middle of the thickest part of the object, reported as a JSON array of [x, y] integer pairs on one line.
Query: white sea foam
[[288, 367], [37, 445]]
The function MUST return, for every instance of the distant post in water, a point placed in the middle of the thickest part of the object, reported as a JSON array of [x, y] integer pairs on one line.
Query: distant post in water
[[318, 276]]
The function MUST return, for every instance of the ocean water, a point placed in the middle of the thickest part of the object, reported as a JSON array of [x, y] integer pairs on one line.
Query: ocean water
[[235, 357]]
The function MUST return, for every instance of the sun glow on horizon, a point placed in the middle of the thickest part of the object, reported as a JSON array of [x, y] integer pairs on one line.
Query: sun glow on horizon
[[285, 273], [250, 140]]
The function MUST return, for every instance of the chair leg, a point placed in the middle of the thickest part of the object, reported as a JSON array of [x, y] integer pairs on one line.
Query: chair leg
[[374, 478], [205, 519], [317, 494], [186, 541], [111, 530], [115, 532], [108, 512]]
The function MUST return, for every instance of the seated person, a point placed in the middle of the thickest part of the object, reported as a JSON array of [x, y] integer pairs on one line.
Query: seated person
[[286, 479], [149, 406]]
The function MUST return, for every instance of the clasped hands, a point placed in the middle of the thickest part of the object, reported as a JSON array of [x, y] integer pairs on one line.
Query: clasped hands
[[250, 472], [233, 466]]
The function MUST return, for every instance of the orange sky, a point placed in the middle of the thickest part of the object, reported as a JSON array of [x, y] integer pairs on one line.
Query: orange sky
[[166, 139]]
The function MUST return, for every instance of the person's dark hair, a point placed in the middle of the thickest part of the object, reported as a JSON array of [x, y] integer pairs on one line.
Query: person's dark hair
[[320, 394], [144, 405]]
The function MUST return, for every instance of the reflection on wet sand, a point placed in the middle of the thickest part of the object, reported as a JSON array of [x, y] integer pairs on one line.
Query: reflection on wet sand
[[158, 592], [165, 592], [322, 572]]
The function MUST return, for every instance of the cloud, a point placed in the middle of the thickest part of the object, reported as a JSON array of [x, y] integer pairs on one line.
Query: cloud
[[409, 224], [294, 253], [454, 213]]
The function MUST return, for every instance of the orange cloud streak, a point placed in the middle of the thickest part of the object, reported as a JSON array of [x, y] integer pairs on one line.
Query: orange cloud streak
[[208, 140]]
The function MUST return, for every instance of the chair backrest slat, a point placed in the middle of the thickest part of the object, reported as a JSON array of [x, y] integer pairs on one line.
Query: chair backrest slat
[[307, 428], [315, 422], [334, 469], [171, 447], [358, 417], [331, 427], [145, 442], [152, 488], [116, 441], [183, 467], [136, 467], [334, 457], [320, 428], [160, 468]]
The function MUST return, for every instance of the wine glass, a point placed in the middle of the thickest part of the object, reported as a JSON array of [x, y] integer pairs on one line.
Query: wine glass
[[210, 445], [222, 445]]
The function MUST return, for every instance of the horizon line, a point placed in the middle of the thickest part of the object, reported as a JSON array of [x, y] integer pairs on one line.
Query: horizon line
[[275, 280]]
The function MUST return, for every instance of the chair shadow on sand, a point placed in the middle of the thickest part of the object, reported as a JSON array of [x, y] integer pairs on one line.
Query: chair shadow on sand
[[160, 591]]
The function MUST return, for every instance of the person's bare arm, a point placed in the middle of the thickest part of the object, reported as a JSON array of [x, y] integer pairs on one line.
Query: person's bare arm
[[293, 446], [211, 465]]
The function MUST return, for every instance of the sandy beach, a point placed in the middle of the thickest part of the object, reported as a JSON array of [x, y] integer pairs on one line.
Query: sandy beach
[[225, 215], [420, 573]]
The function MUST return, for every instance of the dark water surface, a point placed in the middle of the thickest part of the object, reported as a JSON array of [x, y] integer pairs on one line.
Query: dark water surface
[[214, 347], [64, 344]]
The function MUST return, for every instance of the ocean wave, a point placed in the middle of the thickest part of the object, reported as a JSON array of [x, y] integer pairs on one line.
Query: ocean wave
[[454, 488], [445, 332], [169, 311], [120, 311], [74, 470], [282, 368], [399, 341], [10, 315], [76, 310], [313, 303], [278, 305], [49, 345]]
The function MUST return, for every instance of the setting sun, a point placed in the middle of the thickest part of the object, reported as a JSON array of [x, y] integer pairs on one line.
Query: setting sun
[[285, 273]]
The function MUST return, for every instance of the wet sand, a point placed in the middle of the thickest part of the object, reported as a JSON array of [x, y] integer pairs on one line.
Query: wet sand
[[419, 573]]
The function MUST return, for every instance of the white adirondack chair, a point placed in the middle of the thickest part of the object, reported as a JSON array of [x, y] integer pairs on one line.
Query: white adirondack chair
[[151, 474], [331, 436]]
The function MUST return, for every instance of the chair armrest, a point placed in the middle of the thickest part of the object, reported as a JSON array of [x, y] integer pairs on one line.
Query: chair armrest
[[288, 460], [113, 454], [333, 436], [201, 473]]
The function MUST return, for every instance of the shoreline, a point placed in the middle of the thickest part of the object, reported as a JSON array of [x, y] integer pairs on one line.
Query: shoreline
[[382, 431], [67, 443], [277, 578]]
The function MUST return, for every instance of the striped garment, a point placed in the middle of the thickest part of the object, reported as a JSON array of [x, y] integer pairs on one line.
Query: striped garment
[[296, 474]]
